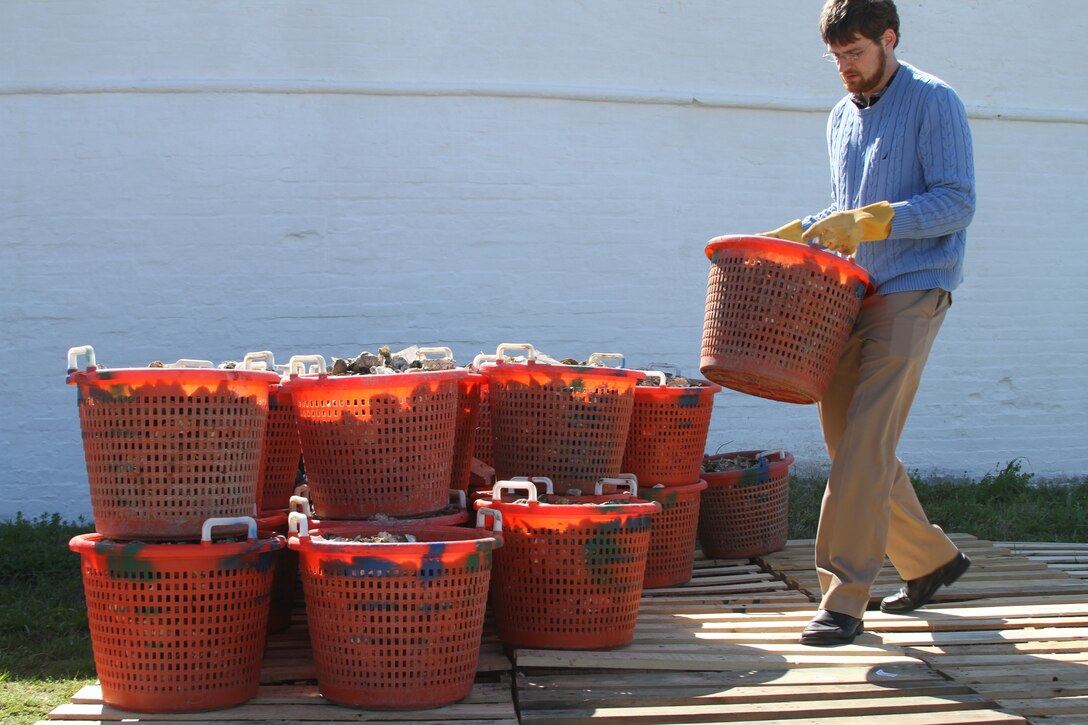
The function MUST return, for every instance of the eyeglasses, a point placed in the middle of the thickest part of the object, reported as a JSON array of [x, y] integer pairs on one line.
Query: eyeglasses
[[851, 56]]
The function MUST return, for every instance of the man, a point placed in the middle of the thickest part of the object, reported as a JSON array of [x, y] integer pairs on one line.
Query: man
[[903, 194]]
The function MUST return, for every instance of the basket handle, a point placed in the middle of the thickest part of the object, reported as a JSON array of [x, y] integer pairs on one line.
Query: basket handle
[[665, 367], [263, 360], [780, 453], [526, 485], [479, 360], [656, 375], [444, 353], [297, 364], [623, 480], [209, 524], [495, 514], [461, 496], [298, 524], [73, 358], [529, 350], [549, 486], [303, 505], [187, 363], [598, 359]]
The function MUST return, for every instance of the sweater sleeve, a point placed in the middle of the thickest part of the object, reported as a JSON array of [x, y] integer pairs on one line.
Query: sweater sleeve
[[945, 156]]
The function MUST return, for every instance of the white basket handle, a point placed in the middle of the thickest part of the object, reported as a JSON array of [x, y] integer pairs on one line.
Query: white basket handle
[[779, 453], [298, 524], [461, 497], [495, 514], [479, 360], [665, 367], [529, 350], [597, 359], [249, 521], [297, 364], [303, 505], [656, 375], [549, 486], [263, 360], [620, 481], [73, 357], [500, 486], [444, 353], [187, 363]]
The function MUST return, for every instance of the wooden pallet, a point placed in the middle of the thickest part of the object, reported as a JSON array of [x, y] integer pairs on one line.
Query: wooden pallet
[[1007, 644]]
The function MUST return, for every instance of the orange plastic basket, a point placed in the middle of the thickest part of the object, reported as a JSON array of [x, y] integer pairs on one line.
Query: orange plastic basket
[[569, 576], [746, 512], [377, 443], [672, 539], [394, 626], [168, 448], [178, 627], [282, 450], [777, 316], [667, 436], [566, 422], [468, 416], [483, 449]]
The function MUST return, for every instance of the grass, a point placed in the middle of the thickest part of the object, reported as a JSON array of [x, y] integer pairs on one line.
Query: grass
[[1005, 505], [45, 649]]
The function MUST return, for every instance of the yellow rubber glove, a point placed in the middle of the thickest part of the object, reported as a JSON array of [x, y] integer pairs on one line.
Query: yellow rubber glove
[[790, 232], [843, 231]]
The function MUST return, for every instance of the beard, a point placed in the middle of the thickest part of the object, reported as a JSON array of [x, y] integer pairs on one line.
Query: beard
[[863, 83]]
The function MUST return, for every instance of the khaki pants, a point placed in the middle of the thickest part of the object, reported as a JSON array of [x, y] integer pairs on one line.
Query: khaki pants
[[869, 507]]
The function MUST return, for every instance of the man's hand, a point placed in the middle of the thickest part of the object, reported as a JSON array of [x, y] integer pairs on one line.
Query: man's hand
[[843, 231], [790, 232]]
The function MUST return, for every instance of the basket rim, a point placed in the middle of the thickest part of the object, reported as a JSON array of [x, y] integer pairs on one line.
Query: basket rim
[[844, 265], [96, 543], [719, 478], [505, 367], [695, 487], [152, 376], [381, 380], [451, 539]]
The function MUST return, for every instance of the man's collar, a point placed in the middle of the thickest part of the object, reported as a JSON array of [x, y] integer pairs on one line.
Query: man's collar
[[861, 102]]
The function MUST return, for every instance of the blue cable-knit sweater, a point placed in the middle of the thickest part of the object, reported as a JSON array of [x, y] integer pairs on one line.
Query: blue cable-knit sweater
[[913, 149]]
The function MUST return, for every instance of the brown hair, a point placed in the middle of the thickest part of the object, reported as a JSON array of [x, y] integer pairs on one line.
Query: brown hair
[[842, 21]]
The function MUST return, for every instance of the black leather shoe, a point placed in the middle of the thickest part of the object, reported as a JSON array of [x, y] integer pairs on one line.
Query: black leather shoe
[[918, 592], [828, 628]]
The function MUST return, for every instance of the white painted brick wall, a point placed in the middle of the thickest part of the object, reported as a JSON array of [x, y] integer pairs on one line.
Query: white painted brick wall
[[201, 179]]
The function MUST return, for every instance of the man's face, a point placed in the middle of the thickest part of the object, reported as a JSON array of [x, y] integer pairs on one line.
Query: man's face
[[861, 64]]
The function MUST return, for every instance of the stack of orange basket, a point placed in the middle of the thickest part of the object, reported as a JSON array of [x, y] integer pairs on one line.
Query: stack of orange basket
[[173, 454], [395, 606], [664, 450]]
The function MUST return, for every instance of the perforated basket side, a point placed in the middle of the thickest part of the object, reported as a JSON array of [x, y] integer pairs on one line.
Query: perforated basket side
[[667, 434], [777, 317], [183, 631], [739, 520], [569, 584], [672, 539], [281, 453], [395, 632], [564, 422], [380, 446], [163, 457]]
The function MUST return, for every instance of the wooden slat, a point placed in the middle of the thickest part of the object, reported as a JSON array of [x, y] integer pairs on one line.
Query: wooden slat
[[1006, 642]]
